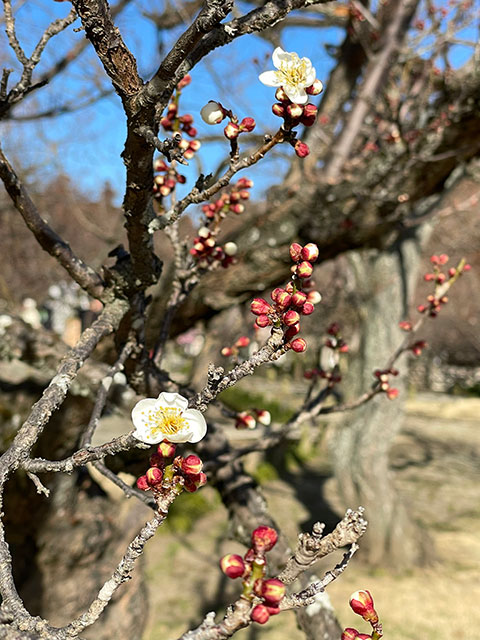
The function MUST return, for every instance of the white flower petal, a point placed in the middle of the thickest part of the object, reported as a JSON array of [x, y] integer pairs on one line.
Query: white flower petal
[[140, 412], [172, 401], [296, 94], [278, 56], [197, 424], [311, 75], [270, 79], [181, 436], [147, 436]]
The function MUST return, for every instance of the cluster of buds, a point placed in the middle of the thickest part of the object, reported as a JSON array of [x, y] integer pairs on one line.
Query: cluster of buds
[[384, 382], [265, 593], [241, 343], [361, 603], [246, 420], [332, 377], [167, 470], [335, 340], [442, 282], [205, 249], [296, 114], [290, 303], [166, 179], [214, 112]]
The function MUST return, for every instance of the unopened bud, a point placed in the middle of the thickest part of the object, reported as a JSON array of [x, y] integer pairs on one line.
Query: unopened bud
[[191, 465], [308, 308], [260, 614], [154, 476], [278, 109], [263, 417], [299, 298], [310, 252], [142, 483], [298, 345], [301, 149], [247, 124], [245, 421], [290, 317], [260, 307], [362, 603], [231, 131], [264, 539], [296, 251], [212, 112], [283, 299], [232, 565], [243, 341], [295, 110], [315, 88], [166, 449], [281, 96], [304, 270], [314, 297], [263, 321], [230, 248], [272, 590]]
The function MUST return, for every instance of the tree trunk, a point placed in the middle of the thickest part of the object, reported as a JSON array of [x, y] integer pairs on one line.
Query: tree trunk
[[383, 286]]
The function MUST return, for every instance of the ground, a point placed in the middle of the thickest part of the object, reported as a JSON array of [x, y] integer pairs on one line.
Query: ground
[[437, 462]]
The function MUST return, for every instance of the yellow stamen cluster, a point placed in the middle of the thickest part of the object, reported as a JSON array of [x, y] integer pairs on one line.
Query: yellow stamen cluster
[[293, 73], [165, 420]]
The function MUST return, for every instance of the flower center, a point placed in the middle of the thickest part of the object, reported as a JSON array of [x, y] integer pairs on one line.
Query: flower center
[[293, 72], [166, 420]]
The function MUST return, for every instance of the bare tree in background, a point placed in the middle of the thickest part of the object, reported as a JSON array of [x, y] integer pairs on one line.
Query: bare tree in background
[[393, 133]]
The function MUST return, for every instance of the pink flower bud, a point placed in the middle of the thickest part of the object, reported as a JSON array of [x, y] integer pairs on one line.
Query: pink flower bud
[[310, 252], [443, 258], [314, 297], [405, 325], [263, 321], [247, 124], [244, 183], [166, 449], [260, 307], [227, 352], [434, 259], [185, 81], [243, 341], [272, 590], [349, 634], [260, 614], [362, 604], [194, 482], [231, 131], [295, 110], [301, 149], [237, 208], [298, 345], [283, 300], [264, 539], [142, 483], [154, 476], [315, 88], [232, 565], [278, 109], [467, 267], [290, 317], [212, 112], [299, 298], [304, 270], [292, 331], [308, 308], [296, 251], [194, 145], [310, 111], [191, 465]]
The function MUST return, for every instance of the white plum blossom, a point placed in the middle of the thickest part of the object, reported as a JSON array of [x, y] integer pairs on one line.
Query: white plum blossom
[[294, 75], [167, 418], [212, 112]]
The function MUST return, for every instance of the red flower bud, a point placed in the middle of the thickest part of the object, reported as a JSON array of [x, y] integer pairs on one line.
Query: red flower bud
[[298, 345], [245, 421], [191, 465], [166, 449], [184, 82], [292, 331], [154, 476], [290, 318], [310, 252], [283, 299], [281, 96], [349, 634], [278, 109], [443, 258], [263, 321], [299, 298], [272, 591], [247, 124], [276, 292], [243, 341], [227, 352], [231, 131], [263, 417], [405, 325], [301, 149], [194, 482], [308, 308], [304, 270], [260, 614], [260, 307], [264, 539], [296, 251], [362, 604], [232, 565], [142, 483], [310, 110]]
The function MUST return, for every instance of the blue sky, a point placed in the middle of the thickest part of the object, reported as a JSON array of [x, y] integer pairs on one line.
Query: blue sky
[[87, 144]]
